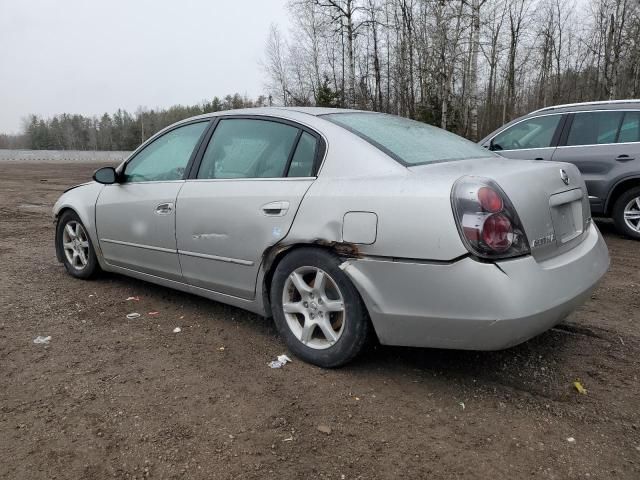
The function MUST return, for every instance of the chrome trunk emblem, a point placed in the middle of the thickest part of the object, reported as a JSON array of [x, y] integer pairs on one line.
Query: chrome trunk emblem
[[564, 176]]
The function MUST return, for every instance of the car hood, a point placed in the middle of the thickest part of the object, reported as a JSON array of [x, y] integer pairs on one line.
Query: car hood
[[76, 186]]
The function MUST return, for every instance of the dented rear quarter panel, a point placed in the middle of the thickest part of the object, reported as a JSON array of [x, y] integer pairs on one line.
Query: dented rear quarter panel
[[414, 217]]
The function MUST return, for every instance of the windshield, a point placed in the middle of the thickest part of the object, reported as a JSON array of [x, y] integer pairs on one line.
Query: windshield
[[407, 141]]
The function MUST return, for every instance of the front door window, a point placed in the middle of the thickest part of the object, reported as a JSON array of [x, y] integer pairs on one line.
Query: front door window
[[534, 132], [166, 157]]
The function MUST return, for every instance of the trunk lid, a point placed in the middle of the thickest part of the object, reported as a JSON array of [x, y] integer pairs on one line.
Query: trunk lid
[[554, 214]]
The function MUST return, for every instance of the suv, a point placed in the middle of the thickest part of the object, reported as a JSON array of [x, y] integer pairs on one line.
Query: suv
[[601, 138]]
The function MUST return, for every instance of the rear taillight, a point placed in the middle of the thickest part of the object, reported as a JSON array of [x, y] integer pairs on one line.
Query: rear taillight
[[488, 223]]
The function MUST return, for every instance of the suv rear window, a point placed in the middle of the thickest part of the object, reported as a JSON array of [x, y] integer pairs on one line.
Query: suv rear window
[[630, 129], [594, 128], [407, 141]]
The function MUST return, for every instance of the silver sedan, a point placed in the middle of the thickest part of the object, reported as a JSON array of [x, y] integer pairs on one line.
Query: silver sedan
[[342, 225]]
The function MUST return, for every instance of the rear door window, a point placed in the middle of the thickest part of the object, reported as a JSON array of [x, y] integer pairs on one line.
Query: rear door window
[[534, 132], [247, 148], [594, 128], [630, 129]]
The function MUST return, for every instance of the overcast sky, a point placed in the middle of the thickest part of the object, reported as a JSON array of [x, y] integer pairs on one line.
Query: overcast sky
[[95, 56]]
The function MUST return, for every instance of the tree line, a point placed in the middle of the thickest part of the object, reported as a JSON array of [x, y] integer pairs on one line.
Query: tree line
[[118, 131], [465, 65]]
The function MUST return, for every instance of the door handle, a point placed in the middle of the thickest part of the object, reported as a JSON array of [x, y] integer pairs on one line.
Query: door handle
[[624, 158], [275, 209], [164, 209]]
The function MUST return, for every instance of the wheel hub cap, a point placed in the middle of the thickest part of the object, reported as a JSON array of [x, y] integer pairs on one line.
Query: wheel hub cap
[[632, 214], [313, 307], [75, 243]]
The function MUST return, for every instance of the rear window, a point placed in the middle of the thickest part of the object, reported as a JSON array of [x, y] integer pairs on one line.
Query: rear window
[[408, 141], [630, 129], [594, 128]]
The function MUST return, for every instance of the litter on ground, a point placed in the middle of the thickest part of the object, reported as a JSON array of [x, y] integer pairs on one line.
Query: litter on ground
[[135, 299], [133, 315], [578, 386], [153, 314], [177, 330], [42, 340], [280, 362]]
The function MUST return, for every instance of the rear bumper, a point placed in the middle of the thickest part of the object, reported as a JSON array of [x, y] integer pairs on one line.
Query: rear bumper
[[476, 306]]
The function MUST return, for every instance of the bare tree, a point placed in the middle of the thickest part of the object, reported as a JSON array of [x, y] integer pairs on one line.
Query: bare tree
[[274, 65], [466, 65]]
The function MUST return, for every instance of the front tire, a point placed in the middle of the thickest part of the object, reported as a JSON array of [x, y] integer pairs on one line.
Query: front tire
[[317, 309], [626, 213], [74, 243]]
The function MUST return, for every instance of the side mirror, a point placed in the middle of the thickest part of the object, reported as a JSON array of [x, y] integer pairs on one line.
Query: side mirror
[[494, 147], [105, 175]]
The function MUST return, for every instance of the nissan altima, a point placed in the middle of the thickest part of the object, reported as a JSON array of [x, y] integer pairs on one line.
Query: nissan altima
[[342, 225]]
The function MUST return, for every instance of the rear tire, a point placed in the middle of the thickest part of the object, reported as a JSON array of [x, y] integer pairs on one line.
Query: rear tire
[[74, 244], [317, 309], [626, 213]]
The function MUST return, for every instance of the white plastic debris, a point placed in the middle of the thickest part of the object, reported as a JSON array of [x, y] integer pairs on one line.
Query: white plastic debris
[[133, 315], [571, 440], [42, 340], [177, 330], [280, 362]]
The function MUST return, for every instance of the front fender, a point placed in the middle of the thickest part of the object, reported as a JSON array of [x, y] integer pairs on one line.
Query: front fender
[[82, 200]]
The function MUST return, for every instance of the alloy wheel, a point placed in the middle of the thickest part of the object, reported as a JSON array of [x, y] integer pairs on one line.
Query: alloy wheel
[[75, 243], [313, 307], [632, 214]]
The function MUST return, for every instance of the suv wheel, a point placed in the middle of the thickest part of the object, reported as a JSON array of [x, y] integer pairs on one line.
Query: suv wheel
[[626, 213]]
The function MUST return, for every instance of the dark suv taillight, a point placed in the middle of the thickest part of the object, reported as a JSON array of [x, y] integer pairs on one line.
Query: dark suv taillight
[[488, 224]]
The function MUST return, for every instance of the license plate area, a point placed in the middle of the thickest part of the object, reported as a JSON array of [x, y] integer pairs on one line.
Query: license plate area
[[566, 215]]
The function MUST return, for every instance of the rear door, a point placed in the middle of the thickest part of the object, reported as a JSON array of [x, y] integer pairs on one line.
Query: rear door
[[135, 218], [604, 145], [533, 138], [245, 193]]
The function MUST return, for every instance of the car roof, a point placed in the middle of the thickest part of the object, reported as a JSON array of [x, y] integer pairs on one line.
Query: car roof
[[586, 106], [285, 112]]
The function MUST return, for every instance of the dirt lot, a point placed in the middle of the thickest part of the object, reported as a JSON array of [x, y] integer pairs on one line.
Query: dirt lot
[[117, 398]]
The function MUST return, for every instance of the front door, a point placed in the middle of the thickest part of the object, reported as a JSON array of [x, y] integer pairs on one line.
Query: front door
[[135, 218], [249, 185]]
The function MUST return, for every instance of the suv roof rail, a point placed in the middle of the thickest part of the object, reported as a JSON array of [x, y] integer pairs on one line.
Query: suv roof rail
[[581, 104]]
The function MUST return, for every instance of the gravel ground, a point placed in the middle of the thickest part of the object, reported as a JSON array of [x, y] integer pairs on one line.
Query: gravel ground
[[117, 398]]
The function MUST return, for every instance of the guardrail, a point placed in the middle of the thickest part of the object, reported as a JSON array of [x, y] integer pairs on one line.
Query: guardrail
[[63, 156]]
